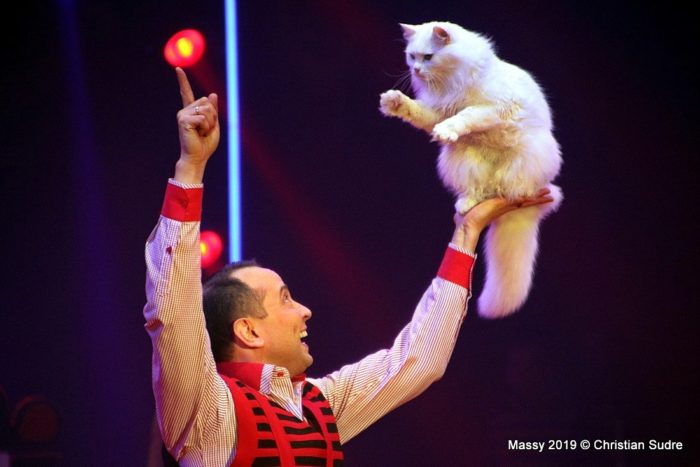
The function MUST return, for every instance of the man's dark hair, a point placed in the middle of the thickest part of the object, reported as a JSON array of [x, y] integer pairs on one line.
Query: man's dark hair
[[227, 299]]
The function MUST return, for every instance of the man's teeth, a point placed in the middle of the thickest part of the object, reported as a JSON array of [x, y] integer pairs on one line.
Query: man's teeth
[[303, 334]]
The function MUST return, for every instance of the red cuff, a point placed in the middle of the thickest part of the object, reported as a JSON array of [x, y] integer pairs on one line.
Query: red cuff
[[456, 267], [180, 204]]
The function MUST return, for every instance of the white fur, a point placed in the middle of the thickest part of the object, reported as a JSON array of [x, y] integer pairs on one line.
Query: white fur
[[495, 130]]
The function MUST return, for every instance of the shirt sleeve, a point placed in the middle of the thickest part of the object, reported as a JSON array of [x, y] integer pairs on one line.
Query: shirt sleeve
[[363, 392], [193, 405]]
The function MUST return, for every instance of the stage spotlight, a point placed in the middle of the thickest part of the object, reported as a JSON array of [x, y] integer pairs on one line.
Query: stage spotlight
[[211, 247], [185, 48]]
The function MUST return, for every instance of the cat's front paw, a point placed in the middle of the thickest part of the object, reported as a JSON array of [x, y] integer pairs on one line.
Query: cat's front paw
[[445, 132], [391, 103]]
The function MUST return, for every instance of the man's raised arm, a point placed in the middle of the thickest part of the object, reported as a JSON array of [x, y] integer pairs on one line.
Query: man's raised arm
[[191, 400], [361, 393]]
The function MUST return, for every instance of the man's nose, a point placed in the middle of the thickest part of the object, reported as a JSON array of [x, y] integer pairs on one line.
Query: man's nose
[[305, 312]]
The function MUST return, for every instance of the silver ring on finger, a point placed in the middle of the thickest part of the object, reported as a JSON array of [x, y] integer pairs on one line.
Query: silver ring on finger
[[196, 110]]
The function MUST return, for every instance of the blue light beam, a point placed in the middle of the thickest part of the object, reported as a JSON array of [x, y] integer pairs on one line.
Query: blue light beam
[[234, 141]]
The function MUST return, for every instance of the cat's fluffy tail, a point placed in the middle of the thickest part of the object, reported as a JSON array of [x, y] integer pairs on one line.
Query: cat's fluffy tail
[[511, 251]]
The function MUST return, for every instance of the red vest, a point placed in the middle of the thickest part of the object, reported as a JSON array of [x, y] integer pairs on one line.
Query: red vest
[[269, 435]]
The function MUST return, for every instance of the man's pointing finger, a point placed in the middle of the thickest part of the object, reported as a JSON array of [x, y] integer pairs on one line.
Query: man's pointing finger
[[185, 88]]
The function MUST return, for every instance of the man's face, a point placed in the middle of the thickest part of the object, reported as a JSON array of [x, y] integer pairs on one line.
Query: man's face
[[284, 327]]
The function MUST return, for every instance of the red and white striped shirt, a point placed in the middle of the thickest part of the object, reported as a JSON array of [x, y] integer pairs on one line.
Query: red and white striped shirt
[[193, 404]]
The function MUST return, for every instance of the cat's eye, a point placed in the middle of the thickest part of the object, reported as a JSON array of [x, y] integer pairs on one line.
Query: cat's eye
[[427, 57], [413, 57]]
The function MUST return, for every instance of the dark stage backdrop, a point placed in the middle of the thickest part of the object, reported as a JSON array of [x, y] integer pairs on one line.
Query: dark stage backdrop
[[347, 206]]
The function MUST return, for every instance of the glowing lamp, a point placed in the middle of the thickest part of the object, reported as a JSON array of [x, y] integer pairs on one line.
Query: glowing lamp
[[211, 246], [185, 48]]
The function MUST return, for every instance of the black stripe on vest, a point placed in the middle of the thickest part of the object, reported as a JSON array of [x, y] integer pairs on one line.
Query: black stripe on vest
[[264, 427], [308, 460], [266, 443], [267, 462], [299, 431], [288, 418], [320, 444]]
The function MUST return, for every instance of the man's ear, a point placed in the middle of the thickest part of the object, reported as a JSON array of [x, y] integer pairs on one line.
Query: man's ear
[[244, 331]]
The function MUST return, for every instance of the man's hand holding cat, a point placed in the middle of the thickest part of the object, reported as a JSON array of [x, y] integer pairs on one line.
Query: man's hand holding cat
[[198, 126], [469, 227]]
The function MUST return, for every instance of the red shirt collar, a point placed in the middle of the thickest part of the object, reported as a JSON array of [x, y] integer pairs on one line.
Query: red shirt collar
[[251, 373]]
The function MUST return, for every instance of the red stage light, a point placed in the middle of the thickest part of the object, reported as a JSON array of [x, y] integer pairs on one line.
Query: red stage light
[[211, 247], [185, 48]]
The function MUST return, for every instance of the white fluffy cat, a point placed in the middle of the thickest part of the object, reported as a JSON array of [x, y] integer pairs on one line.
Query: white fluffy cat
[[495, 130]]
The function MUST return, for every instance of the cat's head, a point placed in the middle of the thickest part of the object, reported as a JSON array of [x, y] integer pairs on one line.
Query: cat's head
[[443, 57]]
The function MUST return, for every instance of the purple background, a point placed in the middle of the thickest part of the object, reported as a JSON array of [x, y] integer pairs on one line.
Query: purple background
[[347, 206]]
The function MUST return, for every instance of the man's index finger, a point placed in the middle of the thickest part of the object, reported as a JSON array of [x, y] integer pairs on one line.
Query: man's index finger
[[185, 88]]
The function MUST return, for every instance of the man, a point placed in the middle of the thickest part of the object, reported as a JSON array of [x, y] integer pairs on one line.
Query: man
[[240, 397]]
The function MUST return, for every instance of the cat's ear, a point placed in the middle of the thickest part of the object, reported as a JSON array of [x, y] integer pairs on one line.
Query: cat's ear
[[441, 36], [408, 30]]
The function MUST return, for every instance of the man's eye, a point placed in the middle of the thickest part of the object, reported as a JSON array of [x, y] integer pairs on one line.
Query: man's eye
[[427, 57]]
